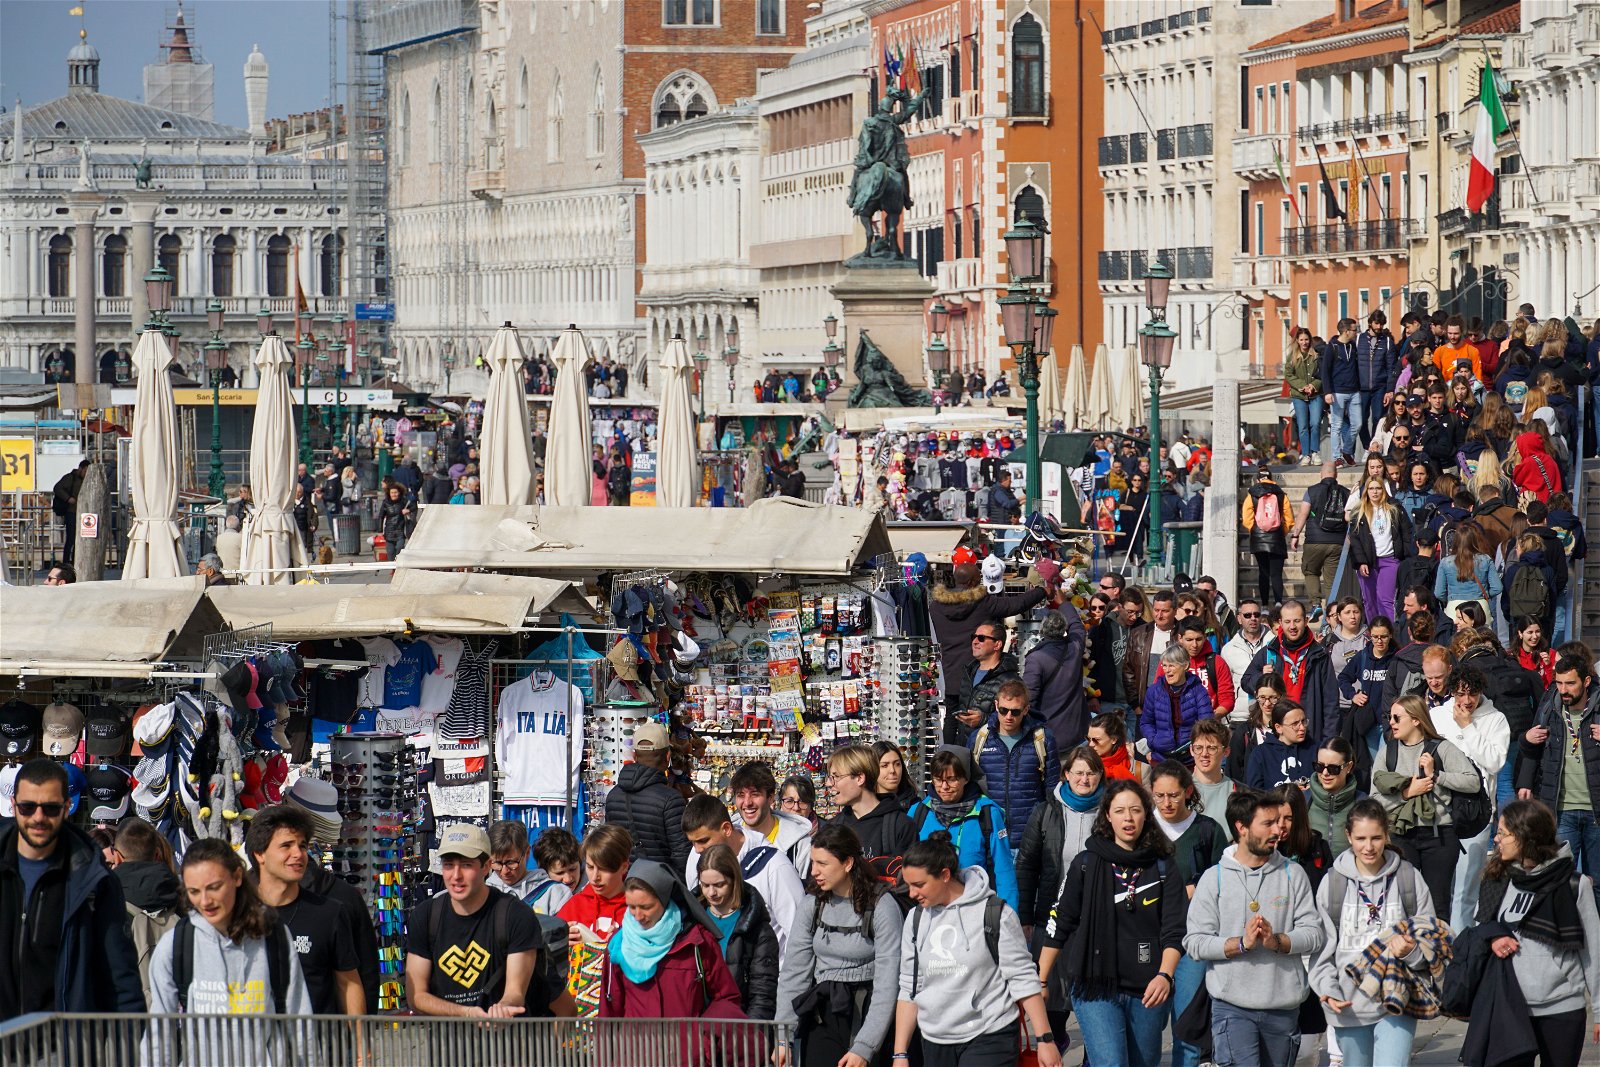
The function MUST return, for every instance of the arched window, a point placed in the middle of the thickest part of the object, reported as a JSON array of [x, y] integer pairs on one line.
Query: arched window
[[491, 137], [60, 273], [435, 125], [403, 142], [114, 267], [1027, 67], [597, 115], [552, 123], [1030, 205], [223, 254], [277, 265], [169, 253], [522, 129], [683, 96], [331, 262]]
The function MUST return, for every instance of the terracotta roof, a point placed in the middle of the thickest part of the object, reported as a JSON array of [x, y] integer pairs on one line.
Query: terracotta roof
[[1506, 20], [1380, 14]]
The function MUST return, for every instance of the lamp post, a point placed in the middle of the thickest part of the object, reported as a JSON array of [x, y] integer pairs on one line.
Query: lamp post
[[336, 352], [938, 350], [1156, 339], [305, 355], [731, 357], [700, 361], [1028, 327], [216, 352]]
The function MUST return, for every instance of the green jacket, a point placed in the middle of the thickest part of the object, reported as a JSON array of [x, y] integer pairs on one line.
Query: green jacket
[[1300, 369]]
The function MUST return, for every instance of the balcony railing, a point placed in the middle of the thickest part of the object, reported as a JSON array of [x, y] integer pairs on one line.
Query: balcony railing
[[1181, 20], [1118, 34], [183, 307], [1114, 151], [1258, 156], [1457, 221], [1202, 16], [960, 275], [1166, 144], [1115, 266], [1417, 130], [1152, 27], [1194, 140], [1138, 147], [1192, 263], [1387, 122], [1261, 273], [1339, 239]]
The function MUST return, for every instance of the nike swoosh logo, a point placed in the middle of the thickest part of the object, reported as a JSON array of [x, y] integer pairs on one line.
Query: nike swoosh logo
[[1149, 900], [1120, 897]]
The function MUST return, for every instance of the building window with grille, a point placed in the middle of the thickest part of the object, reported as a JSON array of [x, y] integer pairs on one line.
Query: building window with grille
[[60, 272], [331, 262], [769, 16], [277, 265], [223, 251], [1027, 67], [169, 252], [683, 98], [114, 267]]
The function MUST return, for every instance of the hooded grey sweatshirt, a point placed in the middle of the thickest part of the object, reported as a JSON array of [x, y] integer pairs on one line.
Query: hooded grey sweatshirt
[[228, 979], [1349, 934], [817, 956], [1556, 980], [1261, 979], [961, 993]]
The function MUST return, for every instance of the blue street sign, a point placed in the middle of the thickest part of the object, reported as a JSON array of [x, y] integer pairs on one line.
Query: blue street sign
[[374, 312]]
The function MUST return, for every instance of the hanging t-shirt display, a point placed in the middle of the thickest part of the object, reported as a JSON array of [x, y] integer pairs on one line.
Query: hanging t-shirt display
[[536, 716], [380, 653], [460, 786], [468, 968], [332, 694], [402, 681], [469, 714], [439, 683]]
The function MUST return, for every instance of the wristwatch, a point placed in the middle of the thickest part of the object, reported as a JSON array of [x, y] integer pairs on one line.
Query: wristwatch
[[1047, 1038]]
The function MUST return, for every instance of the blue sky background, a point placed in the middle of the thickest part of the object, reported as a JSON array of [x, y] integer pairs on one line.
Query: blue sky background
[[35, 36]]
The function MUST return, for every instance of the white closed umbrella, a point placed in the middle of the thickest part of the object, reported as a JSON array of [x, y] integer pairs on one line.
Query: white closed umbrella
[[677, 454], [1049, 390], [271, 543], [1075, 390], [566, 455], [1133, 397], [153, 549], [506, 473], [1099, 402]]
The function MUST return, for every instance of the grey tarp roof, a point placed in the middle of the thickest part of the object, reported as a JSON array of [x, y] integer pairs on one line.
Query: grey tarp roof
[[99, 627], [777, 535], [429, 601], [935, 540]]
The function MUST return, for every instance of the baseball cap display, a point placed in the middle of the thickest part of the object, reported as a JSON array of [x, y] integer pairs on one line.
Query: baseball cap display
[[76, 784], [106, 732], [8, 789], [994, 574], [19, 728], [463, 839], [108, 789], [62, 728]]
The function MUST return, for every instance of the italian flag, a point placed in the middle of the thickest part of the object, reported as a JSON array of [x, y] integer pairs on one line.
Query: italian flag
[[1491, 124]]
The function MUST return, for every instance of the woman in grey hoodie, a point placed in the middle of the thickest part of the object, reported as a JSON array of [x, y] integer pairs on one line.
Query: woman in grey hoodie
[[964, 968], [838, 980], [229, 972], [1378, 887]]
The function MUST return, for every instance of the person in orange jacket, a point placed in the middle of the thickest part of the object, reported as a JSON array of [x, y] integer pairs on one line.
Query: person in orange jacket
[[1456, 348]]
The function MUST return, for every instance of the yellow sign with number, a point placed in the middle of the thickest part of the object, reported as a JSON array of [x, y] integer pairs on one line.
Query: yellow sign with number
[[17, 465]]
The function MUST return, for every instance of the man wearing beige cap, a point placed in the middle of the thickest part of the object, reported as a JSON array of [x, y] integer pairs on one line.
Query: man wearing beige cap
[[462, 959], [645, 804]]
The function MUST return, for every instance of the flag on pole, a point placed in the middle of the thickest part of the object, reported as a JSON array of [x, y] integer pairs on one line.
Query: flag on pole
[[900, 67], [1491, 124], [1330, 199], [1283, 180], [913, 80], [891, 68]]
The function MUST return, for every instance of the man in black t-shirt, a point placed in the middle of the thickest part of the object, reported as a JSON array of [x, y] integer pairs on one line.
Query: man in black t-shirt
[[320, 931], [471, 950]]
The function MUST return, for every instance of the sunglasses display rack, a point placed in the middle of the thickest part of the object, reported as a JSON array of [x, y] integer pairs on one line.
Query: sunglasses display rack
[[608, 744], [379, 851], [909, 714]]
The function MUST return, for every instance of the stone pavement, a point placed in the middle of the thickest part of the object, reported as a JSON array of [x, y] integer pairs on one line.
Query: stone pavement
[[1438, 1044]]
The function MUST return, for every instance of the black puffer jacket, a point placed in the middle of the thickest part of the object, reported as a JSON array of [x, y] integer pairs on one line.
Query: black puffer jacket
[[1039, 872], [956, 613], [976, 694], [752, 956], [652, 811], [1269, 542]]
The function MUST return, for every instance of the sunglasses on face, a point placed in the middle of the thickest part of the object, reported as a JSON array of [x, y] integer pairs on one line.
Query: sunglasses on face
[[984, 637], [1328, 768], [1249, 614], [51, 809], [1014, 712]]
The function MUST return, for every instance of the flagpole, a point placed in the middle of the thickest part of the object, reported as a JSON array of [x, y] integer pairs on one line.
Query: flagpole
[[1533, 186]]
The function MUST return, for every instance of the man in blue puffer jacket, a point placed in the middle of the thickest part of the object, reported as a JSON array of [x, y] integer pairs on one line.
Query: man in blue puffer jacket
[[1376, 363], [976, 824], [1175, 701], [1016, 755]]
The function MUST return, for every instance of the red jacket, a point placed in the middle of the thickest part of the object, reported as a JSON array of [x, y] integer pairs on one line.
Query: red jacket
[[1538, 472], [1222, 699], [676, 991], [600, 914]]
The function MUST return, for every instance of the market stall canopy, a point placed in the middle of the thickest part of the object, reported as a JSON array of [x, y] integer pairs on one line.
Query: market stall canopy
[[108, 629], [915, 420], [777, 535], [935, 540], [419, 601]]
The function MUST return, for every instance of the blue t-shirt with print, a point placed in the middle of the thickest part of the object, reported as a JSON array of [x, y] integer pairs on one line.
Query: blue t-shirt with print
[[402, 682]]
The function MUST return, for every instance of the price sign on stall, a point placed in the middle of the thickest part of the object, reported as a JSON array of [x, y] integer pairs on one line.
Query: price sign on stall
[[17, 465]]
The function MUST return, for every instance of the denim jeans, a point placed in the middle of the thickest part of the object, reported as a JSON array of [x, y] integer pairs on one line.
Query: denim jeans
[[1308, 424], [1188, 977], [1122, 1030], [1558, 634], [1371, 412], [1580, 831], [1469, 869], [1245, 1037], [1343, 419], [1505, 787], [1385, 1042]]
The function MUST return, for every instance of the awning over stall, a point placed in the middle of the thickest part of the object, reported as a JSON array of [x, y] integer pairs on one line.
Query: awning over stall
[[421, 601], [935, 540], [103, 628], [773, 536]]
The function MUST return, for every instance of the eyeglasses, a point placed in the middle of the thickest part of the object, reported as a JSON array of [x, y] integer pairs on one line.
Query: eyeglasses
[[1292, 723], [1018, 712], [1328, 768], [984, 637], [1249, 614], [51, 809]]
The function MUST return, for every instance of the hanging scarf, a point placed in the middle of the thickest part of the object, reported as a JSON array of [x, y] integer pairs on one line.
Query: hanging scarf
[[1091, 954], [950, 812], [1552, 919], [1294, 664], [638, 952], [1118, 764], [1081, 804]]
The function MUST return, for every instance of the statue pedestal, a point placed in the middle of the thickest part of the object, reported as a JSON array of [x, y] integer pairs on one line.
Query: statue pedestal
[[888, 304]]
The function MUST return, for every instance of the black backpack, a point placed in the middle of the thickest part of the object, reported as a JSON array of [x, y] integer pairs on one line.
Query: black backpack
[[549, 979], [1329, 511], [1469, 812], [277, 964], [991, 937]]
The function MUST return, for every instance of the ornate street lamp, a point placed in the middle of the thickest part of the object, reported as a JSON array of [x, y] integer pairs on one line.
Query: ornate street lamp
[[938, 351], [264, 321], [305, 357], [700, 361], [336, 352], [216, 355], [1027, 320], [730, 356], [1156, 340]]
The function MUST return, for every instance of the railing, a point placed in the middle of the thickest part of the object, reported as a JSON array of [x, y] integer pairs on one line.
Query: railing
[[1417, 130], [1260, 273], [1381, 235], [1387, 122], [268, 172], [332, 1041], [1115, 266], [1202, 16], [1114, 150], [960, 275], [1180, 20], [1458, 221], [1259, 154], [1152, 27], [1166, 144], [1552, 43], [1192, 263], [1138, 147], [112, 307], [1194, 140]]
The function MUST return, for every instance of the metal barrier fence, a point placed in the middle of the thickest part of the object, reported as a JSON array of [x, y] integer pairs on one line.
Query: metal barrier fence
[[381, 1041]]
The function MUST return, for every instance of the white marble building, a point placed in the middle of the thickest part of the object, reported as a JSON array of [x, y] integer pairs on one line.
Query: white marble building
[[1554, 65], [226, 219]]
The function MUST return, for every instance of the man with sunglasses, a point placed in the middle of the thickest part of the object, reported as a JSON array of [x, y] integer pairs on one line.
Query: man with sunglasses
[[1242, 648], [319, 930], [62, 911], [990, 667]]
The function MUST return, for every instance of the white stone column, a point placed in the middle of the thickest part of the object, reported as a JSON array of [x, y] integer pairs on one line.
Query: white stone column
[[85, 205], [1222, 500], [250, 280]]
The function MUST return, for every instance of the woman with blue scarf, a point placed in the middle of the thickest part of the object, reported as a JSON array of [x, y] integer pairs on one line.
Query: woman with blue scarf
[[1057, 831], [664, 963]]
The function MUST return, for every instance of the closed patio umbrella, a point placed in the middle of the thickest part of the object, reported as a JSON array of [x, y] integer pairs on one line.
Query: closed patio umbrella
[[566, 458], [1132, 397], [678, 457], [1075, 391], [153, 549], [1049, 390], [1099, 401], [271, 543], [506, 474]]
